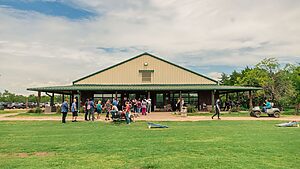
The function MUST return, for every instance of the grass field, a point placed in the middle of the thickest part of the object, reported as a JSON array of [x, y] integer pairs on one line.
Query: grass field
[[223, 114], [39, 115], [205, 144], [236, 114], [11, 111]]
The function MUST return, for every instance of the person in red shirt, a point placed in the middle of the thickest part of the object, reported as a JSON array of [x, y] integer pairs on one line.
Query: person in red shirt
[[127, 114]]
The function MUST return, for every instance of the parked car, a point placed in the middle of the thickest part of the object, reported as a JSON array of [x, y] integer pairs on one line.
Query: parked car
[[16, 106], [1, 106], [4, 104], [32, 104]]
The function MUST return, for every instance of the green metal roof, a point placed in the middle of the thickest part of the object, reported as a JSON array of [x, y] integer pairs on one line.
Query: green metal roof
[[140, 56], [142, 87]]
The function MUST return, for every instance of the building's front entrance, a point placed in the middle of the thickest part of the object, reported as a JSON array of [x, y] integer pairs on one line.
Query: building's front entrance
[[160, 100]]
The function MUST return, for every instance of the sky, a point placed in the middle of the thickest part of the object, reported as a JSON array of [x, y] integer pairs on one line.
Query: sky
[[54, 42]]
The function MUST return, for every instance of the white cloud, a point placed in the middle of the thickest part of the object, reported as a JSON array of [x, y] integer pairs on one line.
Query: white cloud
[[215, 75], [36, 49]]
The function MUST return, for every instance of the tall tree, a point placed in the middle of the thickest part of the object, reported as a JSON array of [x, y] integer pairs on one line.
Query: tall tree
[[281, 85]]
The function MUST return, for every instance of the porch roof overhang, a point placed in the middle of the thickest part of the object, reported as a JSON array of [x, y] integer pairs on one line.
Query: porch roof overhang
[[142, 87]]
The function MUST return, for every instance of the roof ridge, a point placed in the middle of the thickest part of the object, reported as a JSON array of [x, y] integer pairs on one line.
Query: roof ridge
[[142, 54]]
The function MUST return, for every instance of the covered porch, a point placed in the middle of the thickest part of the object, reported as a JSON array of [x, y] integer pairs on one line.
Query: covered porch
[[163, 96]]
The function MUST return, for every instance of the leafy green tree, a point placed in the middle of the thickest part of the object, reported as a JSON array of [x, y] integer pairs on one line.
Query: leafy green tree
[[296, 82], [281, 85], [284, 89]]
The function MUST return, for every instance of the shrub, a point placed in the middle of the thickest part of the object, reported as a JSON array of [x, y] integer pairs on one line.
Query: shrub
[[81, 110], [35, 110], [31, 111], [244, 108], [234, 109], [38, 110], [191, 109]]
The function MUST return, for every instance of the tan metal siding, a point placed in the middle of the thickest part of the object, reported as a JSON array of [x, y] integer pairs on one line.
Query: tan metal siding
[[128, 73]]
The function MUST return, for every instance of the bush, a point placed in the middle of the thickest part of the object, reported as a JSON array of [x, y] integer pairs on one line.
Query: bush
[[191, 109], [31, 111], [35, 110], [244, 108], [81, 110], [38, 110], [234, 109]]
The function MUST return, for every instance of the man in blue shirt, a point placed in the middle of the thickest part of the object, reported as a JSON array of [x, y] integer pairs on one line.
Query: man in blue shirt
[[115, 102], [64, 110], [217, 109], [267, 106], [74, 111], [91, 109]]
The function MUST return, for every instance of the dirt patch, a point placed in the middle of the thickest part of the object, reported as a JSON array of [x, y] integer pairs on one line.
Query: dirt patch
[[42, 154], [23, 155], [36, 154]]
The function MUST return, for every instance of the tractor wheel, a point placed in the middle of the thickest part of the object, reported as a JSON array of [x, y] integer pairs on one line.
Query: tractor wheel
[[276, 114], [251, 114], [257, 114]]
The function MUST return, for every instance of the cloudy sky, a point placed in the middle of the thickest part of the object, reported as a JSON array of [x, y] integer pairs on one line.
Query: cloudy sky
[[53, 42]]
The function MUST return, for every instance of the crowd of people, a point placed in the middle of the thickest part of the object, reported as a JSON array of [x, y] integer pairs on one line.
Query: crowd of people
[[128, 109]]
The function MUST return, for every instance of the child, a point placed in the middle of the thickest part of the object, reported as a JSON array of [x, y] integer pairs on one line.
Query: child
[[144, 107], [99, 109], [127, 115]]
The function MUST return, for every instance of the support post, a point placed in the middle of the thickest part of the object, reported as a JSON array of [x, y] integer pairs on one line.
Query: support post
[[213, 100], [199, 102], [238, 101], [148, 94], [226, 97], [79, 100], [39, 99], [63, 98], [70, 101], [52, 100], [26, 102], [250, 100]]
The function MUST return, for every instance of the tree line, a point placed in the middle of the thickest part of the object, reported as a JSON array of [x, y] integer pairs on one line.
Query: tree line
[[9, 97], [280, 83]]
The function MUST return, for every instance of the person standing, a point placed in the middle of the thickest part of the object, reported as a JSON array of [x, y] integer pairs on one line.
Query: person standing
[[115, 102], [178, 105], [134, 105], [107, 109], [138, 106], [127, 114], [91, 110], [217, 109], [74, 111], [99, 109], [64, 110], [149, 105], [181, 104], [86, 109], [144, 107]]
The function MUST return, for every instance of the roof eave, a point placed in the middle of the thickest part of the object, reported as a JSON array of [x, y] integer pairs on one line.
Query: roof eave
[[142, 54]]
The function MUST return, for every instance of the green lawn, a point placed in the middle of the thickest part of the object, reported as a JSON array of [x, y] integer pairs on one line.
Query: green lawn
[[39, 115], [236, 114], [223, 114], [11, 111], [205, 144]]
